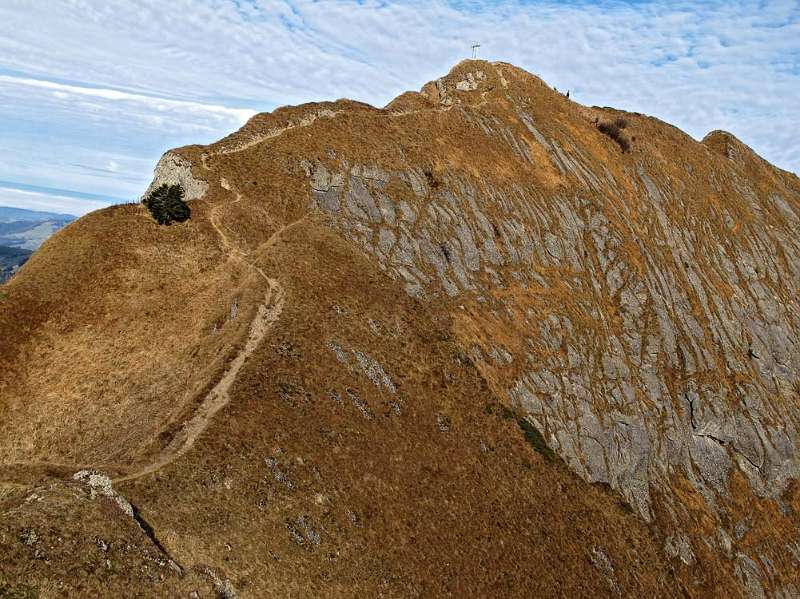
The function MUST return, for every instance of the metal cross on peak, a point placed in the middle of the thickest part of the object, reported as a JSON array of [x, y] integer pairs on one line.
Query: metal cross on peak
[[475, 50]]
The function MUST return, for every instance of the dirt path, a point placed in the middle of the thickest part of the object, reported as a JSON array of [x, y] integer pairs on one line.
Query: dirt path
[[31, 473], [303, 122], [216, 399], [274, 132]]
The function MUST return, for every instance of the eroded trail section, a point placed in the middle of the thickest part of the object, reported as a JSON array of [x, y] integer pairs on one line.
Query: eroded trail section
[[216, 399], [26, 474], [241, 146]]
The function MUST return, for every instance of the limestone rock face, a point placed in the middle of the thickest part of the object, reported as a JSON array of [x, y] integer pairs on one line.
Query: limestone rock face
[[635, 312], [653, 311], [172, 169]]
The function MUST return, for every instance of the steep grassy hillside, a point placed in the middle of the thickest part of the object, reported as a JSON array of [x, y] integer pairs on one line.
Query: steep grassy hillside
[[471, 344]]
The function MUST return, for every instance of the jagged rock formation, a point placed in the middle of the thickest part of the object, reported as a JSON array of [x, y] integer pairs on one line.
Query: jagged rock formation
[[497, 357], [173, 169]]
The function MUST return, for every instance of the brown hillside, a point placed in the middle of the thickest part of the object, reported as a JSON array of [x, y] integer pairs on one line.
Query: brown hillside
[[460, 346]]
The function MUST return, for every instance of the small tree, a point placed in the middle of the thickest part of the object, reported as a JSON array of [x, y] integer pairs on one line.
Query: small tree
[[614, 131], [166, 204]]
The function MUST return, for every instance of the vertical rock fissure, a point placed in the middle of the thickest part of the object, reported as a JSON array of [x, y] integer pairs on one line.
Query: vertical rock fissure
[[691, 413], [148, 530]]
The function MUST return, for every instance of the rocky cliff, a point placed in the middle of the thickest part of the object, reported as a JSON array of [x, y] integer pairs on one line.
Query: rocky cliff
[[465, 345]]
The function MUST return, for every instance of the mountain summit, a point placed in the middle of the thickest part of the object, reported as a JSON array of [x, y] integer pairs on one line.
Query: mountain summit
[[482, 342]]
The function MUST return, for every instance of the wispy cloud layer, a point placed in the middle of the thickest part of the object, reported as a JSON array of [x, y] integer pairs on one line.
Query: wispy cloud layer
[[152, 103], [87, 82], [48, 201]]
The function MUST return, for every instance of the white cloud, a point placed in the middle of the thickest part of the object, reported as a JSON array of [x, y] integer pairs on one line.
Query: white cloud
[[155, 104]]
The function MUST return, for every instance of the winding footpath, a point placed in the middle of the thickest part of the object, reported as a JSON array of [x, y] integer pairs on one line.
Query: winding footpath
[[218, 397], [25, 474]]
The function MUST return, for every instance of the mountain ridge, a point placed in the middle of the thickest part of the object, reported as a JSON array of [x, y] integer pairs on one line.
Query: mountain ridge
[[633, 308]]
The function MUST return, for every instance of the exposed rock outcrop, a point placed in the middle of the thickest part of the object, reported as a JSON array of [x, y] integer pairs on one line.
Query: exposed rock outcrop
[[173, 169]]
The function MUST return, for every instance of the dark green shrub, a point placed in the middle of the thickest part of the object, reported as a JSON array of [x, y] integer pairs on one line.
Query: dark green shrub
[[166, 204], [614, 131]]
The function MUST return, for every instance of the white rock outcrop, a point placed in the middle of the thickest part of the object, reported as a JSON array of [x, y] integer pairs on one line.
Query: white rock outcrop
[[174, 169]]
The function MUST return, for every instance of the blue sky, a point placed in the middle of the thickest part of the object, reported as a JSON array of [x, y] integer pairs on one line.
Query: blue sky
[[92, 92]]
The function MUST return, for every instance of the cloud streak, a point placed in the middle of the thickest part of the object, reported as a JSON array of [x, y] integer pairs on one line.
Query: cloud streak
[[62, 91], [48, 202]]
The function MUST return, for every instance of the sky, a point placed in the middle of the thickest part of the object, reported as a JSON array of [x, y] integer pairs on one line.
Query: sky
[[92, 92]]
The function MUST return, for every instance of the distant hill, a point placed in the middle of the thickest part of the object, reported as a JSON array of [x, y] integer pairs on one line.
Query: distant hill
[[9, 214], [28, 229], [10, 260]]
